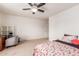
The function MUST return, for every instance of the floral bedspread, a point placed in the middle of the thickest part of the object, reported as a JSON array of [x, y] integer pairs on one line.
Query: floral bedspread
[[55, 49]]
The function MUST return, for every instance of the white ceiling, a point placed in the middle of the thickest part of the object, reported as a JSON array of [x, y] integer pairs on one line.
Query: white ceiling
[[50, 9]]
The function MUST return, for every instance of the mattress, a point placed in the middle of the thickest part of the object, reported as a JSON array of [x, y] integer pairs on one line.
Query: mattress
[[55, 48]]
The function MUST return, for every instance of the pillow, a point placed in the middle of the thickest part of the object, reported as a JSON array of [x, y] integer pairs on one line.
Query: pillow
[[68, 39], [75, 41]]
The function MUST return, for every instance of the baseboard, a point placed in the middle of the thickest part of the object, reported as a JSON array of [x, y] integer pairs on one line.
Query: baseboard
[[38, 38], [34, 38]]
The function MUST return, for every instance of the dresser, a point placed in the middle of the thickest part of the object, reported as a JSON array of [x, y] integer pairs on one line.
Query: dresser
[[2, 43]]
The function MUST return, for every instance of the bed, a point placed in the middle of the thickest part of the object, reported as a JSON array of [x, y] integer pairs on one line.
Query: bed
[[56, 48]]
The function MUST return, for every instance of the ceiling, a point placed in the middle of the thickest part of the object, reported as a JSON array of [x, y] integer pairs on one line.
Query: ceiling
[[50, 9]]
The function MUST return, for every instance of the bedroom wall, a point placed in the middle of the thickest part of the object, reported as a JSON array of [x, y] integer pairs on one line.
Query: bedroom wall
[[66, 22], [27, 28], [0, 18]]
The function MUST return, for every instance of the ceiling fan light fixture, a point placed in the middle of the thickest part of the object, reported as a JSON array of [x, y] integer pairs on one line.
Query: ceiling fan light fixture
[[34, 10], [35, 7]]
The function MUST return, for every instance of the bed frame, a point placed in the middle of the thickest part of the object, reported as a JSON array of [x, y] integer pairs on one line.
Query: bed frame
[[70, 44]]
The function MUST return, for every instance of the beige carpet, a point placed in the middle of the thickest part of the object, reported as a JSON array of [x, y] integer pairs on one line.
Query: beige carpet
[[23, 49]]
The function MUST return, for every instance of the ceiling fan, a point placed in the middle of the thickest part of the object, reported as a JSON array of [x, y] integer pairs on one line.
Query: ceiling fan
[[35, 7]]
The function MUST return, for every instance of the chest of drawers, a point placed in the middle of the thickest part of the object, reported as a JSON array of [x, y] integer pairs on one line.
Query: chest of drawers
[[2, 43]]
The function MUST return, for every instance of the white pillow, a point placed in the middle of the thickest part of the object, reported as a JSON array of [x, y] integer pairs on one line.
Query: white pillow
[[68, 38]]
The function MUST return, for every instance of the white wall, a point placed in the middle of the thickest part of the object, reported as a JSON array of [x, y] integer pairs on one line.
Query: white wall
[[1, 17], [66, 22], [27, 28]]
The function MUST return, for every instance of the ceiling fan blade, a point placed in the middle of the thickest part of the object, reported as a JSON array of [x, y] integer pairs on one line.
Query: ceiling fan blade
[[40, 10], [26, 9], [30, 4], [41, 4]]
